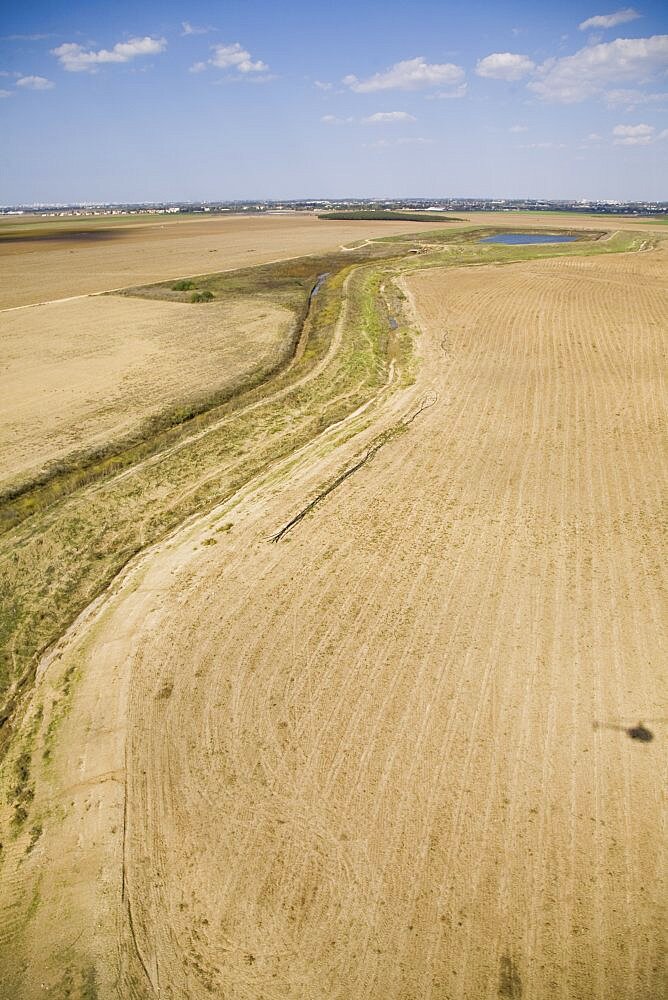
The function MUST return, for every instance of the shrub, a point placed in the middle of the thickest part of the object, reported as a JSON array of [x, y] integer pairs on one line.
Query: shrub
[[183, 286], [204, 296]]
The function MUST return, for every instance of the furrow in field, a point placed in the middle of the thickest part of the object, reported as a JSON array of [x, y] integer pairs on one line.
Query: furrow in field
[[442, 721]]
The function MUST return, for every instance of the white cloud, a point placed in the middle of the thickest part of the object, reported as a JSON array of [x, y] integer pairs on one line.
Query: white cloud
[[5, 93], [385, 117], [409, 74], [191, 29], [76, 59], [322, 86], [518, 128], [35, 83], [591, 70], [504, 66], [610, 20], [447, 95], [335, 120], [633, 135], [632, 98], [235, 57], [232, 56]]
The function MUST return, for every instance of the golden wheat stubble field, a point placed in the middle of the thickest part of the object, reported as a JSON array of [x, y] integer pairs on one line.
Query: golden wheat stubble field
[[90, 371], [386, 757]]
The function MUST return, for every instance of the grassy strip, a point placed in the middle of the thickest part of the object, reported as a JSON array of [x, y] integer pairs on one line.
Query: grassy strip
[[56, 562], [288, 285], [461, 252], [473, 234], [284, 282], [79, 469]]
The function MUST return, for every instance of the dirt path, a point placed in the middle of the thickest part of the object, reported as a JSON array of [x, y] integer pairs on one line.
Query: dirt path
[[369, 761]]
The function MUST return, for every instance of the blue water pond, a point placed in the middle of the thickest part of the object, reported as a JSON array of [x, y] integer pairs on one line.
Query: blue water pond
[[513, 238]]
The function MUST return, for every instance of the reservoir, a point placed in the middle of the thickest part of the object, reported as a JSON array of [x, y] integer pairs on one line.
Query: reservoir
[[514, 238]]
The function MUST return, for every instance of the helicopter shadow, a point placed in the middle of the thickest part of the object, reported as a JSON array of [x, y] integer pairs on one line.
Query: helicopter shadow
[[639, 732]]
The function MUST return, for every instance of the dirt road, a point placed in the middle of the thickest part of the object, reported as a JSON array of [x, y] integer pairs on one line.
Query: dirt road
[[386, 758]]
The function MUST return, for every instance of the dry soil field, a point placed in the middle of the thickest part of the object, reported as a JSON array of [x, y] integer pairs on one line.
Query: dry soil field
[[137, 253], [39, 271], [387, 758], [88, 371]]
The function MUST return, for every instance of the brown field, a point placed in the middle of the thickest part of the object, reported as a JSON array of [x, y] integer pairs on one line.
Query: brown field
[[88, 371], [385, 758], [40, 271], [138, 253]]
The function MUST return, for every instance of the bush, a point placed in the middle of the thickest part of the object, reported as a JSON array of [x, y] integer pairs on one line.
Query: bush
[[183, 286], [204, 296]]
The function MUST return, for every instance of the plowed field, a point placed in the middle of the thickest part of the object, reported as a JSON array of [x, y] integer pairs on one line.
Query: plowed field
[[388, 757]]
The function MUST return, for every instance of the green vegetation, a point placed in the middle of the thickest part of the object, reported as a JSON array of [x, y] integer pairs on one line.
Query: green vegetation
[[288, 283], [79, 530], [59, 710], [36, 831], [204, 296], [23, 790], [382, 215], [17, 777]]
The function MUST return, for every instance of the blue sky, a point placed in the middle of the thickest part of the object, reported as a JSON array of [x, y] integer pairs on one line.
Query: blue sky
[[189, 100]]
